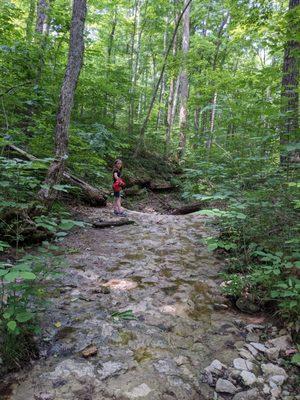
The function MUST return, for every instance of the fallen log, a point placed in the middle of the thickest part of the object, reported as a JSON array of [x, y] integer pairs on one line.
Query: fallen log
[[160, 187], [91, 195], [190, 208], [108, 224]]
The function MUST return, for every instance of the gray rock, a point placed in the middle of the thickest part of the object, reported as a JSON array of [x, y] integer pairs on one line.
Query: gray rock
[[71, 367], [252, 350], [252, 337], [233, 373], [240, 363], [44, 396], [272, 369], [110, 368], [139, 391], [272, 353], [282, 342], [251, 394], [165, 366], [259, 346], [266, 389], [248, 378], [216, 367], [277, 379], [246, 354], [275, 393], [225, 386], [273, 385]]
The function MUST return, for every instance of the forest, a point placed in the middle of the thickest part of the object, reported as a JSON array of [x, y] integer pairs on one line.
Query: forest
[[200, 101]]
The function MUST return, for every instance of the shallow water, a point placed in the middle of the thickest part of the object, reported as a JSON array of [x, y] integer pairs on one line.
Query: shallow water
[[157, 268]]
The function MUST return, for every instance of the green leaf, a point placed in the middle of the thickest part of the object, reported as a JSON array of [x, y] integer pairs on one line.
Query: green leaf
[[27, 275], [24, 316], [12, 325], [11, 276], [296, 359], [7, 315]]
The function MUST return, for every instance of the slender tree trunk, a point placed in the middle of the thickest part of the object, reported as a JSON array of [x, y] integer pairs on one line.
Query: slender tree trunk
[[197, 120], [109, 52], [184, 84], [146, 120], [42, 29], [163, 84], [290, 87], [131, 65], [214, 67], [212, 121], [42, 16], [171, 99], [75, 58], [172, 106], [30, 20]]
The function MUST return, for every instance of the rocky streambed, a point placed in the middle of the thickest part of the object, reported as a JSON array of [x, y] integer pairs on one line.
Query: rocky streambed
[[138, 314]]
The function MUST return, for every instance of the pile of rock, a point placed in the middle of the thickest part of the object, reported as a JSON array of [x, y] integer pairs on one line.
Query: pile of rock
[[258, 373]]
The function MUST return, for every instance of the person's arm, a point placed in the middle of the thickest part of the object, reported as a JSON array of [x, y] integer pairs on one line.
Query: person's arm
[[116, 176]]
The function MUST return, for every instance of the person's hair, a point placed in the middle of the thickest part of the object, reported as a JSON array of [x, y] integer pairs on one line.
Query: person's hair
[[116, 161]]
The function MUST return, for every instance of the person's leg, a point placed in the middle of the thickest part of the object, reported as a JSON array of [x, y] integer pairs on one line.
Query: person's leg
[[119, 204], [116, 202]]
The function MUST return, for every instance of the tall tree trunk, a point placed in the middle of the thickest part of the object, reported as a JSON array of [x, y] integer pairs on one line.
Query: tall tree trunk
[[42, 32], [30, 20], [290, 86], [215, 60], [146, 120], [163, 83], [171, 99], [42, 16], [212, 121], [75, 58], [109, 52], [197, 120], [132, 63], [184, 84]]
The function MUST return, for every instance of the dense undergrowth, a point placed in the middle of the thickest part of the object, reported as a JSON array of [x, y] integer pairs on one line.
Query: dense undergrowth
[[258, 228]]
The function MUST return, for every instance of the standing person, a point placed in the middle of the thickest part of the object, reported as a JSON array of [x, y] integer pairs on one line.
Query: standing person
[[117, 187]]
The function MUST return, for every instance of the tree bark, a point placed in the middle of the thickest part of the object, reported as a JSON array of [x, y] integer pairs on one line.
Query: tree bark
[[190, 208], [140, 144], [75, 58], [212, 121], [133, 64], [184, 84], [109, 224], [290, 87], [42, 16], [172, 100]]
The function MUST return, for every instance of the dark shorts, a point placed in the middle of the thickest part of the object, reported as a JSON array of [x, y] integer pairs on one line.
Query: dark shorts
[[116, 195]]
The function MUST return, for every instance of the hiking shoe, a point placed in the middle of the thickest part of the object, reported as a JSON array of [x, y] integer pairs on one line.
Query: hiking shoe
[[116, 212], [122, 214]]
